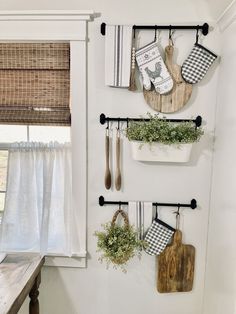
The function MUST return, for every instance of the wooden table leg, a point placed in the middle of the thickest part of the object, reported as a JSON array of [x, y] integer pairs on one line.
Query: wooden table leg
[[34, 293]]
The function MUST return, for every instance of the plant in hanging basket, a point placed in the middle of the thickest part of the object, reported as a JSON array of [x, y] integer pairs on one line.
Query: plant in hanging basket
[[118, 243], [161, 140]]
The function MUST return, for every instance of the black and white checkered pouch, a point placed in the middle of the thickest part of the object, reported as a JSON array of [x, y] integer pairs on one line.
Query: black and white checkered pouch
[[197, 64], [158, 236]]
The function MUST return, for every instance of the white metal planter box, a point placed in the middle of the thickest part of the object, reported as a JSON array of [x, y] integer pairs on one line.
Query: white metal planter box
[[161, 152]]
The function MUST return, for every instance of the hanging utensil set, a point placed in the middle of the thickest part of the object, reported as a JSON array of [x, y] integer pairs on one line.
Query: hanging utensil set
[[108, 139], [175, 260], [167, 87]]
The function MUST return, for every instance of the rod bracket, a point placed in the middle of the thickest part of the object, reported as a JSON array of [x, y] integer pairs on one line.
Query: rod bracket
[[198, 121], [193, 203], [102, 118], [103, 29], [101, 201], [205, 29]]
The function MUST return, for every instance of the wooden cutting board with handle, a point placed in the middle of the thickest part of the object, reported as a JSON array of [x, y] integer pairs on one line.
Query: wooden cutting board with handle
[[176, 266], [178, 96]]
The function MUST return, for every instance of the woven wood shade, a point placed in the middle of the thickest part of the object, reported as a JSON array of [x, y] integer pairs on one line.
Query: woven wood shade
[[35, 83]]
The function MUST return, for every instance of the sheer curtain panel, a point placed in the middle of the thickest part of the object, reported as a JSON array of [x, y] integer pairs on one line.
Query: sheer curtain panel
[[38, 213]]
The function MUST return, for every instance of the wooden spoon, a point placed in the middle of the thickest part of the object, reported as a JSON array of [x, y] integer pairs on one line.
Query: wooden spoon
[[107, 151], [118, 171]]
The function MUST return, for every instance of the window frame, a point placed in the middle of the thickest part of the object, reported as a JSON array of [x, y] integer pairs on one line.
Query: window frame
[[3, 147], [68, 26]]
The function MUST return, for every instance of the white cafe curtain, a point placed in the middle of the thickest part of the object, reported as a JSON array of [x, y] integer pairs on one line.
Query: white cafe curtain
[[38, 215]]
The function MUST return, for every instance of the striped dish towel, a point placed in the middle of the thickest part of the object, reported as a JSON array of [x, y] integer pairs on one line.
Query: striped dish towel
[[118, 44], [140, 215]]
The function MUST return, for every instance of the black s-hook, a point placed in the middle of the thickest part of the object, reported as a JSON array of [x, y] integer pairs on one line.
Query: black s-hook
[[197, 35], [170, 36], [155, 37], [177, 217], [156, 216]]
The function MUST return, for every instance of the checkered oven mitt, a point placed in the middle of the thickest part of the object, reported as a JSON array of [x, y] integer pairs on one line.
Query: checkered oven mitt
[[197, 64], [158, 236]]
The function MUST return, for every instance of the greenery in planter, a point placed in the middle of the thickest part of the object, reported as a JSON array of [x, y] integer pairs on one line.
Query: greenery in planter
[[118, 243], [159, 130]]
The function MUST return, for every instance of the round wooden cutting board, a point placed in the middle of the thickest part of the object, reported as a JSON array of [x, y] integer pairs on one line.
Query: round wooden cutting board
[[178, 96]]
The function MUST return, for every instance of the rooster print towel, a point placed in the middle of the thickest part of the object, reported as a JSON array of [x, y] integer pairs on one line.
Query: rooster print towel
[[153, 69]]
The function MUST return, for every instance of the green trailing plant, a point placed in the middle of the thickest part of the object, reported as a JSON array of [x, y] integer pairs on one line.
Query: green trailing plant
[[162, 131], [118, 243]]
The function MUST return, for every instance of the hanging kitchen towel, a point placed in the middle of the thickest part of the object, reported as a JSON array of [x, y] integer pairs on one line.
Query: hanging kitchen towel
[[118, 44], [153, 69], [197, 64], [158, 236], [140, 215]]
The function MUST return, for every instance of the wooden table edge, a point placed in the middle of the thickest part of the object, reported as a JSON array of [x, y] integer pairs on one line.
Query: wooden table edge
[[26, 290]]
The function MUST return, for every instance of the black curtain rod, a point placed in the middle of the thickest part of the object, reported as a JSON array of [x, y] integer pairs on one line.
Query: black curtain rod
[[104, 119], [192, 205], [204, 28]]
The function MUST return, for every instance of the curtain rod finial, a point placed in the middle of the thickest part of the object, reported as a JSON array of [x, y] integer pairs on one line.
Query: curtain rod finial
[[103, 29], [101, 200], [205, 29], [193, 204]]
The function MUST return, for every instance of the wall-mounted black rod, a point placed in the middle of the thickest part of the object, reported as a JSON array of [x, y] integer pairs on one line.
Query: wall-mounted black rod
[[104, 119], [192, 205], [204, 28]]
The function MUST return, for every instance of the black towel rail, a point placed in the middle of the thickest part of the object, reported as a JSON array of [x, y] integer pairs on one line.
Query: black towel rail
[[204, 28], [192, 205], [104, 119]]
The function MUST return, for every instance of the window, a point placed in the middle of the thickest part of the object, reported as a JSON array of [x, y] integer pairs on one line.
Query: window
[[63, 26], [34, 90], [35, 107]]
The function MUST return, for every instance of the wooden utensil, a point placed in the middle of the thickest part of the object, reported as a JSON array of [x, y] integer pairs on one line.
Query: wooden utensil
[[178, 96], [118, 171], [107, 153], [176, 266]]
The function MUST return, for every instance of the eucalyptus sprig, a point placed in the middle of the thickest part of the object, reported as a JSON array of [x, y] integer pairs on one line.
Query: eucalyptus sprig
[[162, 131]]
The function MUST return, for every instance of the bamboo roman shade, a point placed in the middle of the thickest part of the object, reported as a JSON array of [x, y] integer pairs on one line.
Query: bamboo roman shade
[[35, 83]]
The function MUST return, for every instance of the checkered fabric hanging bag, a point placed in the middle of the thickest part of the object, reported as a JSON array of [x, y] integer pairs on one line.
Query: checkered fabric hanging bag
[[158, 236]]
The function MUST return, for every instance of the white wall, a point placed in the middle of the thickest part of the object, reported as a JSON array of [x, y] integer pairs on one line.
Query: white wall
[[220, 289], [217, 7], [96, 290]]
